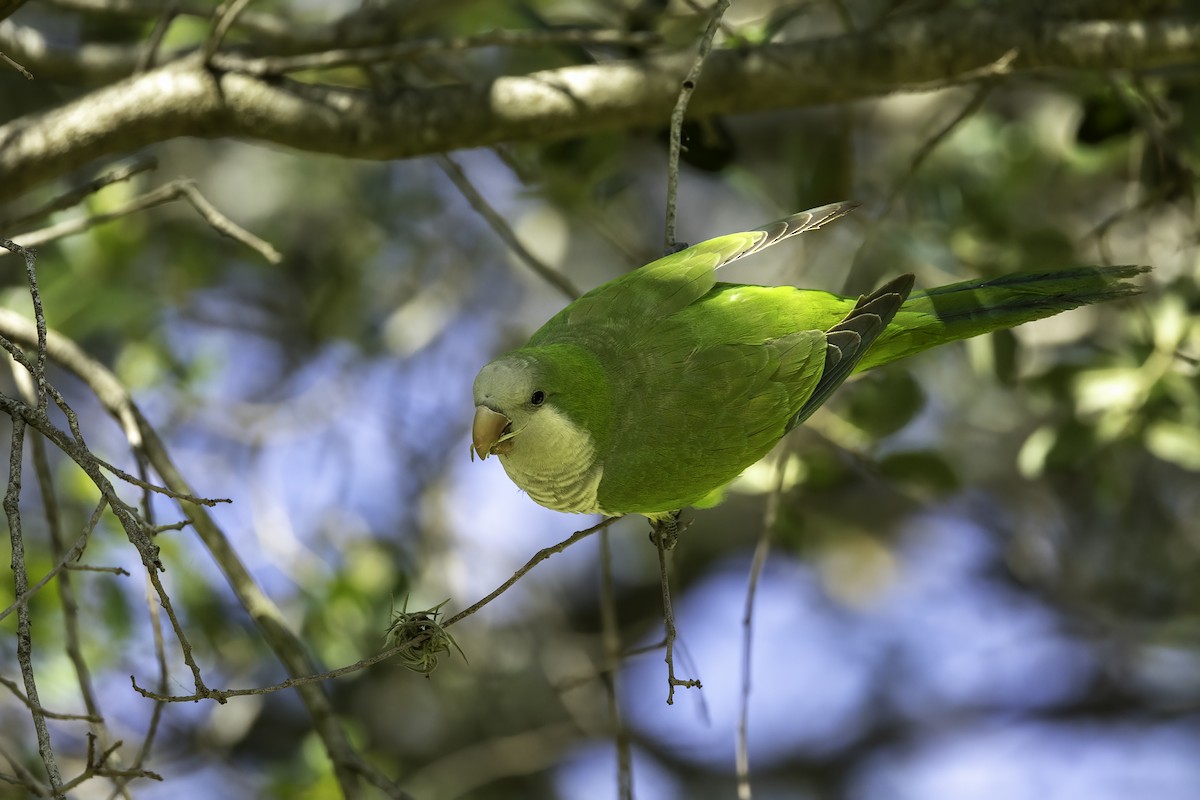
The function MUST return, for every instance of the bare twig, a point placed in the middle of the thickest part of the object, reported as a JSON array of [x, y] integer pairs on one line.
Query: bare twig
[[659, 537], [98, 765], [969, 108], [38, 370], [612, 661], [75, 195], [161, 26], [164, 676], [163, 490], [221, 695], [67, 558], [16, 66], [21, 415], [407, 50], [853, 275], [175, 190], [12, 509], [685, 95], [12, 687], [761, 549], [94, 568], [538, 557], [546, 272], [226, 15]]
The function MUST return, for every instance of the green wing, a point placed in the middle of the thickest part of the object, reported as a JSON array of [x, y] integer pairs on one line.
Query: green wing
[[674, 282], [710, 390], [691, 417]]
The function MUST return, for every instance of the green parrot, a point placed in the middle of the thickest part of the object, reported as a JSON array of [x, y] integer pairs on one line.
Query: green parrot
[[653, 391]]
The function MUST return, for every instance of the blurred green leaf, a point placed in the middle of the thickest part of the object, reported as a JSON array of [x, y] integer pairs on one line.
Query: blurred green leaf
[[1179, 444], [883, 402], [924, 470]]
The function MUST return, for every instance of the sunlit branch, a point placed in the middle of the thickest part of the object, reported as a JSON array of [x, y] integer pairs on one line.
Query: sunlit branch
[[911, 53], [502, 229], [686, 87]]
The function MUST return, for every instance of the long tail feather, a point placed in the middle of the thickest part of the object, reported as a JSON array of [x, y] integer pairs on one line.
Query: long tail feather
[[962, 310]]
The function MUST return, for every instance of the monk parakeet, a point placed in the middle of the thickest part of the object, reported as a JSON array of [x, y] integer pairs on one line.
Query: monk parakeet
[[653, 391]]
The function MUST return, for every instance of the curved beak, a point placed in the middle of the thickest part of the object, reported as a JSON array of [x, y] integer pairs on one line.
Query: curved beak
[[486, 430]]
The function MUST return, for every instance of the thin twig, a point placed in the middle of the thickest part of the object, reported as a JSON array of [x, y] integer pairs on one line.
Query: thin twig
[[761, 549], [669, 618], [38, 370], [93, 568], [968, 110], [155, 488], [538, 557], [160, 652], [681, 103], [547, 273], [919, 157], [96, 765], [612, 660], [75, 195], [175, 190], [16, 66], [12, 509], [161, 26], [226, 15], [12, 687], [221, 695], [407, 50], [67, 558]]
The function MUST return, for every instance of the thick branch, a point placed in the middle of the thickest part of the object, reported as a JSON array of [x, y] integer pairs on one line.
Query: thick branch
[[185, 99]]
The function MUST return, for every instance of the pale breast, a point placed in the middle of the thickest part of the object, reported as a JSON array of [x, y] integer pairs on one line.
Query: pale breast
[[554, 462], [571, 488]]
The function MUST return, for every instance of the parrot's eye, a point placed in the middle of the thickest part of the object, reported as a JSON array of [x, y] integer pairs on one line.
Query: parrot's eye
[[538, 398]]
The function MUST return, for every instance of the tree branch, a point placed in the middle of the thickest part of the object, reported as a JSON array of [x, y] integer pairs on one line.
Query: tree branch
[[184, 99]]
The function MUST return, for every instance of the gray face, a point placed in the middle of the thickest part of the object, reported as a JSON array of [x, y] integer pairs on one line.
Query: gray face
[[507, 401], [508, 386], [543, 452]]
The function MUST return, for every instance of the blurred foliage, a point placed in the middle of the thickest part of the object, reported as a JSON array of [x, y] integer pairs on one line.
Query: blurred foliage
[[329, 396]]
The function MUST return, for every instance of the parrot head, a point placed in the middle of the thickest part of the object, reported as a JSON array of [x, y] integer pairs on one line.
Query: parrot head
[[509, 398], [544, 412]]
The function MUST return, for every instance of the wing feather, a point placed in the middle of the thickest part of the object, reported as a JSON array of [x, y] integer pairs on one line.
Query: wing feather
[[674, 282]]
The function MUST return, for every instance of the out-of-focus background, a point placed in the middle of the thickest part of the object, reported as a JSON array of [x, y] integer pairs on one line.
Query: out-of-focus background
[[985, 573]]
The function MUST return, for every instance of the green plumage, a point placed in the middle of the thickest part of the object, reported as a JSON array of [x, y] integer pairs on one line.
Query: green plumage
[[681, 382]]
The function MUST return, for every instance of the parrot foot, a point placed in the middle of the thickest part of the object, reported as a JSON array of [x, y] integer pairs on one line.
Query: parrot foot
[[667, 530]]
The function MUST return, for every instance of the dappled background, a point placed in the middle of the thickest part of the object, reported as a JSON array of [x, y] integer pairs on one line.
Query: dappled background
[[983, 574]]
